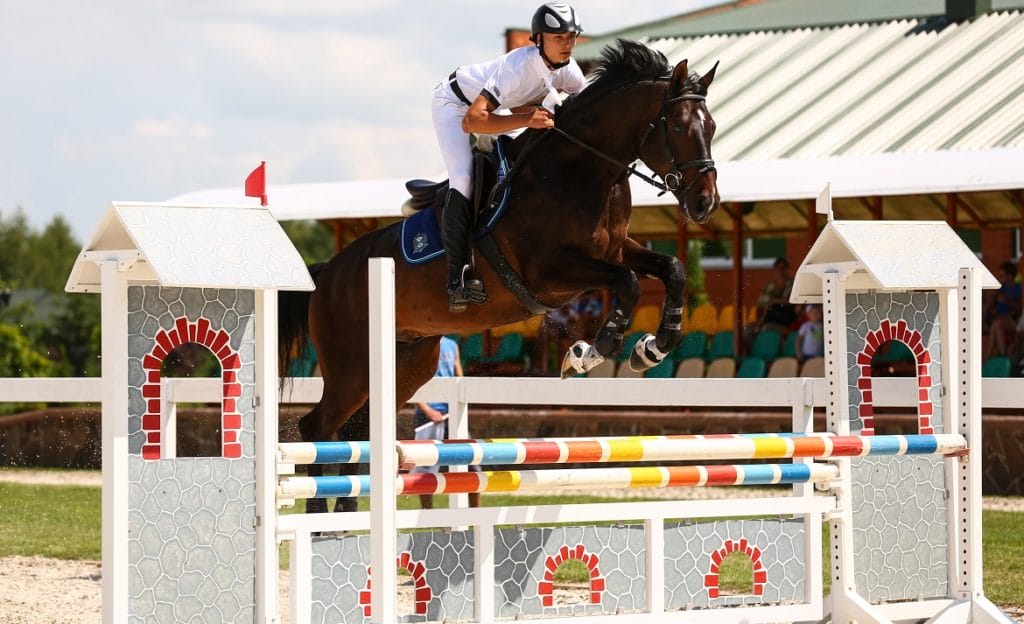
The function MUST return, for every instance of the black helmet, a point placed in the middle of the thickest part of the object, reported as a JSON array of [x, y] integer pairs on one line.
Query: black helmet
[[554, 17]]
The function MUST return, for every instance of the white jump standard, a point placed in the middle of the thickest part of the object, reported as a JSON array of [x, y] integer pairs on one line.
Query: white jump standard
[[196, 539]]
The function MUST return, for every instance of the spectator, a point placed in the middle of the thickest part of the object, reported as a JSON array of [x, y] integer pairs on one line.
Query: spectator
[[1002, 310], [431, 419], [5, 297], [588, 311], [774, 311], [810, 341]]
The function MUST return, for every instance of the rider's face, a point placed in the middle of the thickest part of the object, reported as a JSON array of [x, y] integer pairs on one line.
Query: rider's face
[[558, 46]]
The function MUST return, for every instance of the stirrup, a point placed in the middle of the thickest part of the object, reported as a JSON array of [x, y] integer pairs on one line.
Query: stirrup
[[466, 291]]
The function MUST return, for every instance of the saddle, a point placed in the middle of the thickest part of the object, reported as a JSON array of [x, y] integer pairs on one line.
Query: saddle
[[421, 232]]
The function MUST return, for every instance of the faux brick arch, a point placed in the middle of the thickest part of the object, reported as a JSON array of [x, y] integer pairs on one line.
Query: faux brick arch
[[729, 547], [419, 577], [898, 332], [545, 589], [218, 342]]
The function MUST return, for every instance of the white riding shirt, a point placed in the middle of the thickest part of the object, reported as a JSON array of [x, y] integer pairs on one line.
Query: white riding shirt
[[517, 78]]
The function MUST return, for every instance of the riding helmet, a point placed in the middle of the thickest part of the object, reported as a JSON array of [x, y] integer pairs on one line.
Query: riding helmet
[[554, 17]]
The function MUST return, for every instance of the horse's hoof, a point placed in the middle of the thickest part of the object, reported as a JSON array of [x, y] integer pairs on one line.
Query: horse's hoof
[[580, 358], [645, 355]]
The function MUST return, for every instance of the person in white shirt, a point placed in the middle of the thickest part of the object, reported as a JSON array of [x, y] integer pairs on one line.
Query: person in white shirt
[[516, 90]]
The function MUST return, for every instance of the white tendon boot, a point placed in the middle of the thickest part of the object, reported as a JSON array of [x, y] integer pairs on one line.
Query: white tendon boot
[[580, 358], [646, 354]]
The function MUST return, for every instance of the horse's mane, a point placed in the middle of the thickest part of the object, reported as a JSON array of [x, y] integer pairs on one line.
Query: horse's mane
[[624, 63]]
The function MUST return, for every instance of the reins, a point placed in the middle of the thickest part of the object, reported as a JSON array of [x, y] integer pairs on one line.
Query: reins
[[674, 178]]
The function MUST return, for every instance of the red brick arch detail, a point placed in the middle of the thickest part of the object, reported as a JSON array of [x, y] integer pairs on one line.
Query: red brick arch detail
[[419, 577], [218, 342], [546, 587], [729, 547], [886, 332]]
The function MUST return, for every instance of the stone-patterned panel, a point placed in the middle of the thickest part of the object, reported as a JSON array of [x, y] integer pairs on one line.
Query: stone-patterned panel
[[440, 564], [191, 545], [191, 520], [614, 554], [776, 549], [899, 528], [918, 313]]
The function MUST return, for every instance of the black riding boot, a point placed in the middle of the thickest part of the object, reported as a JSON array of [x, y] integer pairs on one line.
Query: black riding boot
[[455, 232]]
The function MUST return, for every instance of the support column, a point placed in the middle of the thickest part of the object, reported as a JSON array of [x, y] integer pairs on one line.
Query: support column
[[114, 316], [267, 608], [383, 462]]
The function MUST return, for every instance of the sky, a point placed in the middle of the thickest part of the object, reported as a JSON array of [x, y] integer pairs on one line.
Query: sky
[[143, 100]]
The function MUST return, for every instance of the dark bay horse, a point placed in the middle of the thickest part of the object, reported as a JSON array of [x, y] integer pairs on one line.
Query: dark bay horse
[[565, 232]]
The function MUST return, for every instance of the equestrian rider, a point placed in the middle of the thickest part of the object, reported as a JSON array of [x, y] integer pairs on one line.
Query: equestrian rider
[[493, 98]]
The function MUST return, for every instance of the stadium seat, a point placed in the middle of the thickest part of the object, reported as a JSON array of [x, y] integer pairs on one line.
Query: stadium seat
[[704, 318], [725, 320], [625, 372], [510, 349], [813, 367], [784, 367], [722, 367], [751, 368], [664, 370], [693, 345], [997, 367], [721, 346], [766, 345], [691, 368], [472, 349], [789, 346], [603, 370]]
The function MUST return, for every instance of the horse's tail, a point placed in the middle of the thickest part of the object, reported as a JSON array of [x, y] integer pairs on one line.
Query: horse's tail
[[293, 325]]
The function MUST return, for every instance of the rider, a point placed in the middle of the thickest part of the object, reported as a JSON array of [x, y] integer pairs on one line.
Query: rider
[[492, 98]]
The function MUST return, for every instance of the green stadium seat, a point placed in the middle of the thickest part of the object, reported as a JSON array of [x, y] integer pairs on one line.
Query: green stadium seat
[[997, 367], [628, 344], [664, 370], [789, 346], [694, 344], [721, 346], [767, 345], [752, 368]]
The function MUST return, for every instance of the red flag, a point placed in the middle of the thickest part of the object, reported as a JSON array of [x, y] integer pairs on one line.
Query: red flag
[[256, 183]]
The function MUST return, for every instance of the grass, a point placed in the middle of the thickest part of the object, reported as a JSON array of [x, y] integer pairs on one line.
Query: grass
[[63, 522]]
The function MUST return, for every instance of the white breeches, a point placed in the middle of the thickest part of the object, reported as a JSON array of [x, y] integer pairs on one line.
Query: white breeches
[[447, 112]]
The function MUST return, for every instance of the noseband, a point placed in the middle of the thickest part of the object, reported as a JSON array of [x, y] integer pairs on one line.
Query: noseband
[[674, 178]]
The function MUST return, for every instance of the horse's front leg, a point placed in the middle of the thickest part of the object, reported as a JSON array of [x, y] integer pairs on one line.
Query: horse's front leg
[[574, 271], [651, 350]]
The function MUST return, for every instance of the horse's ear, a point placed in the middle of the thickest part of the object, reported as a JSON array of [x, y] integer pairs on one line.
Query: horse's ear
[[679, 75], [706, 79]]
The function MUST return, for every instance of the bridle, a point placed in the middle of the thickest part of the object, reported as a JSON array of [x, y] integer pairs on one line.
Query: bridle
[[674, 178], [671, 181]]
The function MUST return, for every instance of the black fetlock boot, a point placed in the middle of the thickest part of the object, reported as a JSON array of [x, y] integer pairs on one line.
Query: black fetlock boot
[[455, 232]]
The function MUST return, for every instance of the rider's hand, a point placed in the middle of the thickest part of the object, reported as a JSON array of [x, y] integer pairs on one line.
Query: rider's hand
[[540, 119]]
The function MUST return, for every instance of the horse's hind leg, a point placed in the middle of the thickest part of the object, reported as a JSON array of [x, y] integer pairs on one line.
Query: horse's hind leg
[[651, 350], [356, 428], [325, 420]]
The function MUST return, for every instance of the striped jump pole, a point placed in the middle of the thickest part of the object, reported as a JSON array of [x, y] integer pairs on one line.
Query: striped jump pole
[[562, 479], [628, 449]]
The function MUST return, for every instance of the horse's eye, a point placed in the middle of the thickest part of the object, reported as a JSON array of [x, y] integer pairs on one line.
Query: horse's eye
[[677, 129]]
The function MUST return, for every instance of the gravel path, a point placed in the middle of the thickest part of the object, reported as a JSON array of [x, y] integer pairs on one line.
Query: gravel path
[[38, 590]]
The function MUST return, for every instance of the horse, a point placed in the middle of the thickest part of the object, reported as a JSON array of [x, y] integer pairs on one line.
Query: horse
[[564, 233]]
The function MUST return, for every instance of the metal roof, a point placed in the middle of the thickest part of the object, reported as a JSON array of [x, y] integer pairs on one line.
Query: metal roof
[[745, 16], [863, 88]]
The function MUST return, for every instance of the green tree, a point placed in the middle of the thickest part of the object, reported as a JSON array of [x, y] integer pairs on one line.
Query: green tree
[[313, 240], [19, 357]]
